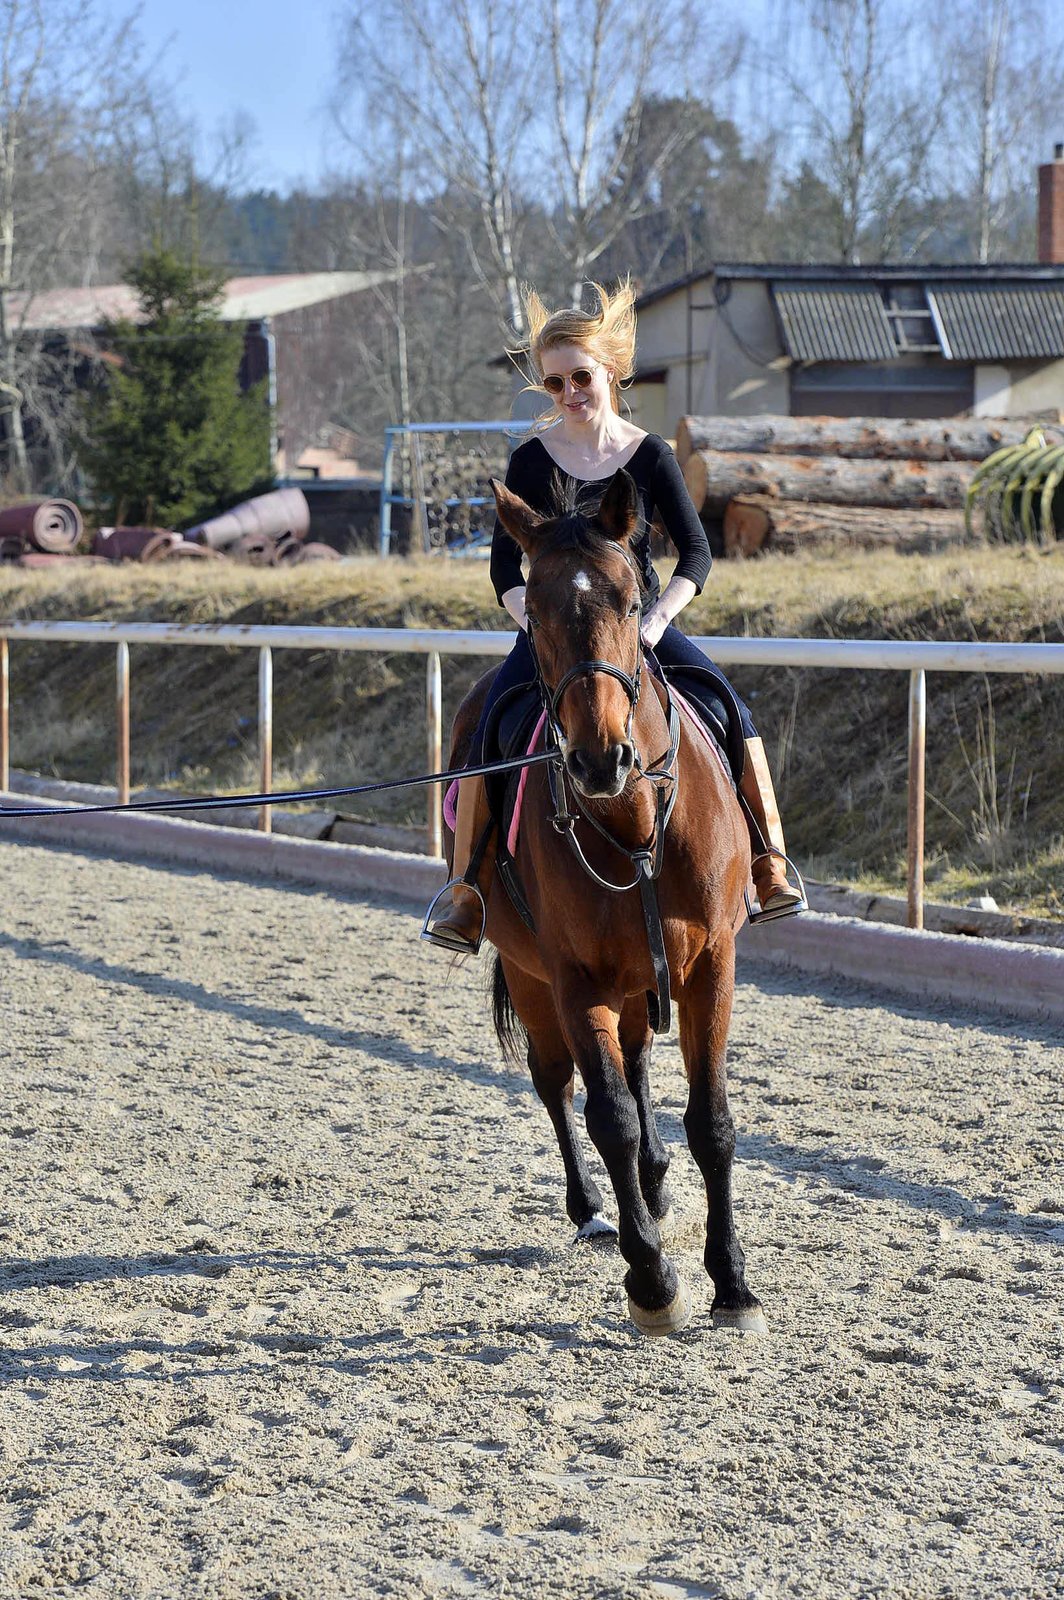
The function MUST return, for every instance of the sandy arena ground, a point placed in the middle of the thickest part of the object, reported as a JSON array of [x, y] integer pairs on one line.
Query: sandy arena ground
[[288, 1306]]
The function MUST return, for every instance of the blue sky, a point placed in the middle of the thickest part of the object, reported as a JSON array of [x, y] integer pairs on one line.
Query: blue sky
[[274, 60], [271, 58]]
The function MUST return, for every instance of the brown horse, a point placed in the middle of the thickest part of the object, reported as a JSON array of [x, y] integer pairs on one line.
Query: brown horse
[[580, 983]]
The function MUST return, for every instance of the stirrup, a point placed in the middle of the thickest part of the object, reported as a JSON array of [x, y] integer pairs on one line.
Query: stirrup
[[754, 912], [445, 940]]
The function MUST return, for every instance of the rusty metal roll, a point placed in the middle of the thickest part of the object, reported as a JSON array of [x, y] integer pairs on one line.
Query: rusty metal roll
[[53, 526], [162, 546], [266, 516], [254, 548], [286, 550], [183, 550], [125, 544]]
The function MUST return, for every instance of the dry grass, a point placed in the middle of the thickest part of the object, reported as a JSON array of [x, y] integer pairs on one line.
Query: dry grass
[[995, 758]]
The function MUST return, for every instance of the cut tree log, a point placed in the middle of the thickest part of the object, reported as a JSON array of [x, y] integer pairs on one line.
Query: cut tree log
[[854, 438], [714, 477], [757, 522]]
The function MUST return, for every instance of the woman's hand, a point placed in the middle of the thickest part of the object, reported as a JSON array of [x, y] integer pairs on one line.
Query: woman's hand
[[669, 604], [655, 620], [514, 601]]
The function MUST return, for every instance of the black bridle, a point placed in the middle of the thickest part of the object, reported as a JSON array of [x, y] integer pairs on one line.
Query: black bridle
[[553, 699], [646, 860]]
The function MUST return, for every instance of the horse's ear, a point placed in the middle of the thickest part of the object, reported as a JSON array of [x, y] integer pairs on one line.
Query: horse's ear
[[518, 519], [618, 512]]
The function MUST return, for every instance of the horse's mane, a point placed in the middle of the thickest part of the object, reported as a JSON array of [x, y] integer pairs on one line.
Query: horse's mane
[[573, 507]]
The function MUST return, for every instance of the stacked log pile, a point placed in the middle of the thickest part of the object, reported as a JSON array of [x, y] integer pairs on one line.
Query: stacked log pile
[[789, 483]]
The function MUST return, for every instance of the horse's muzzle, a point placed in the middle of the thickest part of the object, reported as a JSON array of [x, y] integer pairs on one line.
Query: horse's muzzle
[[600, 775]]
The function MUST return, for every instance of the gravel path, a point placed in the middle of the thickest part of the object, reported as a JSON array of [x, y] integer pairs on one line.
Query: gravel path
[[288, 1306]]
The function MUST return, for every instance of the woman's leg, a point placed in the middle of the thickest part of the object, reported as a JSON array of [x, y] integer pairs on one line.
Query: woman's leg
[[776, 896], [455, 919]]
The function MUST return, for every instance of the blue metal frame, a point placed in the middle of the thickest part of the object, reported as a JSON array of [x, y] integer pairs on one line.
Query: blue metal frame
[[388, 499]]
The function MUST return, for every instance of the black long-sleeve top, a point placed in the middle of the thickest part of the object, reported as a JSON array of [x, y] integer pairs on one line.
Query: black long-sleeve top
[[534, 475]]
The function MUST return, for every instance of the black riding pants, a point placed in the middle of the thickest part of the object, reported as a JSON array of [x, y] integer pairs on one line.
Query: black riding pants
[[674, 649]]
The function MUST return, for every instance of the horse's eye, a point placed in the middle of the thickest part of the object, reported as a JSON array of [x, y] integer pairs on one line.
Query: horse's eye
[[635, 608]]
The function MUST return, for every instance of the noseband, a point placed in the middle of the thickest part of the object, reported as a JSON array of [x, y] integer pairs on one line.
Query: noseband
[[583, 669]]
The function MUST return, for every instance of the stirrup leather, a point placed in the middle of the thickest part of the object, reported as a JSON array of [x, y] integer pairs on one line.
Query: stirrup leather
[[754, 912], [454, 942]]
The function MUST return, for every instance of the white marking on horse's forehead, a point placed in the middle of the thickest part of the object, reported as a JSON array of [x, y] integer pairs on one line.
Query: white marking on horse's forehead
[[582, 582]]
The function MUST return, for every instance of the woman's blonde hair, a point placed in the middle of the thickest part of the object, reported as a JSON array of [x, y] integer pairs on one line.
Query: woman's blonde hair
[[608, 334]]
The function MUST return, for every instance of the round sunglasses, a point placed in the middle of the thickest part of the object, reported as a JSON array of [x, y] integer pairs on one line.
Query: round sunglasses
[[580, 378]]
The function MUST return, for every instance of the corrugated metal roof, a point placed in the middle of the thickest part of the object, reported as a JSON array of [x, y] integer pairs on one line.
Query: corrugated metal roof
[[706, 279], [243, 299], [1006, 323], [833, 322]]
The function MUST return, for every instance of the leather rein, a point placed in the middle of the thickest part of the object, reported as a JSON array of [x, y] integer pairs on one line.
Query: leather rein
[[646, 860]]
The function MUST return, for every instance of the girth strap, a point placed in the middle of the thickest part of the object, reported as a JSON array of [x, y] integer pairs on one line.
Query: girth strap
[[659, 1004]]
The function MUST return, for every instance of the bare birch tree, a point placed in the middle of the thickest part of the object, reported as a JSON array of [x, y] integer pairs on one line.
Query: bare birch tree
[[1008, 87], [608, 60], [459, 77], [63, 66], [873, 101]]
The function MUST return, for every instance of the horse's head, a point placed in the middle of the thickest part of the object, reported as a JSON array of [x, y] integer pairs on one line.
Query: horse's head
[[584, 601]]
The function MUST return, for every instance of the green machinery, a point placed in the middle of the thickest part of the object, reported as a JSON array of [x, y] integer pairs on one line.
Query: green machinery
[[1020, 491]]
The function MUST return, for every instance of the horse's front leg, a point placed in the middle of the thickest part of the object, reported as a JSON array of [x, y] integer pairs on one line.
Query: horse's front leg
[[657, 1299], [636, 1044], [705, 1015], [550, 1062]]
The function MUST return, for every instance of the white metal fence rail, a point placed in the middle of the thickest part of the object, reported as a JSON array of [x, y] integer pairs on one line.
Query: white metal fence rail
[[915, 658]]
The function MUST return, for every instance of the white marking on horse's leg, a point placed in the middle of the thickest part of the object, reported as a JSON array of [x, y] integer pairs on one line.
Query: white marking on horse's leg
[[582, 582], [596, 1227]]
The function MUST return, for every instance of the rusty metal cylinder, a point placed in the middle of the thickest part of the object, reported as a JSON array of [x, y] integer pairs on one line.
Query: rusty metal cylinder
[[52, 526], [266, 516]]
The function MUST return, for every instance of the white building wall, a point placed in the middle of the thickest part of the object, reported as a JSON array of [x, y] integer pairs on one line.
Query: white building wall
[[717, 358], [748, 366]]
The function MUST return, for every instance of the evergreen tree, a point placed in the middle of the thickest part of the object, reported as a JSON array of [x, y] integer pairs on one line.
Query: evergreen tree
[[170, 435]]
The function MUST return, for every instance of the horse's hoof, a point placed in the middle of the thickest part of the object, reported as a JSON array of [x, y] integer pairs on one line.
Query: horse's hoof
[[596, 1230], [670, 1319], [740, 1319]]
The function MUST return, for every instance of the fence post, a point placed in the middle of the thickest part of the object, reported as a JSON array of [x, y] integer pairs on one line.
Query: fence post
[[265, 732], [5, 726], [917, 748], [434, 729], [122, 718]]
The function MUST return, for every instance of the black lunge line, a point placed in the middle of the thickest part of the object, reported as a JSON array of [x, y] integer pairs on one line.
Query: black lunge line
[[220, 802]]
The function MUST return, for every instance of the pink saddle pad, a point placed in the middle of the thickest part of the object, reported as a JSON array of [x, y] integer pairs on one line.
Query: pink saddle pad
[[450, 799]]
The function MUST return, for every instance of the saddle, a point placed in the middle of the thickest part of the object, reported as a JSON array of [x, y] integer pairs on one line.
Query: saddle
[[508, 733], [512, 721]]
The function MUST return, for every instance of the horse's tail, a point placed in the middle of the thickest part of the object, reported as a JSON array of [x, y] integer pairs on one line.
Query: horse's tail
[[508, 1026]]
